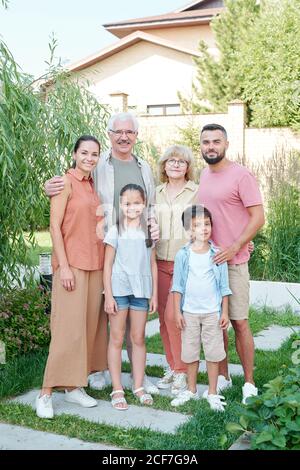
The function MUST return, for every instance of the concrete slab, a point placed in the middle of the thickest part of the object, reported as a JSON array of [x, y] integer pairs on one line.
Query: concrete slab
[[242, 443], [152, 328], [160, 360], [278, 295], [134, 417], [127, 383], [20, 438], [273, 337]]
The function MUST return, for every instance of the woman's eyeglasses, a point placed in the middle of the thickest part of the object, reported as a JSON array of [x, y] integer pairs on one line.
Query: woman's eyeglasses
[[173, 162]]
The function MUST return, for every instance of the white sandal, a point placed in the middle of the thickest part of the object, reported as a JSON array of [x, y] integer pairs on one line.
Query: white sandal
[[144, 397], [120, 400]]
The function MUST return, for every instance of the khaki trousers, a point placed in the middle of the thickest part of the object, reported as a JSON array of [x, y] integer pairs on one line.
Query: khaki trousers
[[75, 330], [99, 357]]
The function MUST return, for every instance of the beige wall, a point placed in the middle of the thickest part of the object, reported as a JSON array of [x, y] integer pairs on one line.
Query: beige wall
[[262, 143], [253, 144], [148, 73], [188, 36], [163, 131]]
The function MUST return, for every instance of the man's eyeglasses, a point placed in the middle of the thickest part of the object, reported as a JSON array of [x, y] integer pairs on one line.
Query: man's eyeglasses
[[173, 162], [120, 132]]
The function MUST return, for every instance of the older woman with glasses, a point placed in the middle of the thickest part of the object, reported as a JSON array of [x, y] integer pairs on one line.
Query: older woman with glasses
[[177, 191]]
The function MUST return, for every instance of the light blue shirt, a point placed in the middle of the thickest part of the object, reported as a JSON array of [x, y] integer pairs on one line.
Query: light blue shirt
[[201, 295], [181, 272], [131, 272]]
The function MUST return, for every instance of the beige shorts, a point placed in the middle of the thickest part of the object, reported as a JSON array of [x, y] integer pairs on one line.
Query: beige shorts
[[239, 284], [203, 329]]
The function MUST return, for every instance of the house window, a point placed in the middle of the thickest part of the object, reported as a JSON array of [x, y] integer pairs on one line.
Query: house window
[[163, 109]]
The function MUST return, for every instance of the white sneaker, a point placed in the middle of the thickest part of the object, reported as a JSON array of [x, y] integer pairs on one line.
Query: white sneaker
[[179, 383], [43, 406], [249, 390], [149, 387], [223, 383], [167, 380], [80, 397], [215, 402], [97, 381], [183, 397]]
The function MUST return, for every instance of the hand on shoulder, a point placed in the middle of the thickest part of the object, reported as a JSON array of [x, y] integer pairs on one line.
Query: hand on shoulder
[[54, 186]]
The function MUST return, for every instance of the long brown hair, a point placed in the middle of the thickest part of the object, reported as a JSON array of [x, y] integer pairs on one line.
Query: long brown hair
[[144, 224]]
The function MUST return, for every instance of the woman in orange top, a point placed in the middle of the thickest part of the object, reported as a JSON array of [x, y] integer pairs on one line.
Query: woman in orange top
[[78, 252]]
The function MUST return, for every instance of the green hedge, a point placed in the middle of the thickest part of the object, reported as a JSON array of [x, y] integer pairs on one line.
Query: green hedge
[[24, 320]]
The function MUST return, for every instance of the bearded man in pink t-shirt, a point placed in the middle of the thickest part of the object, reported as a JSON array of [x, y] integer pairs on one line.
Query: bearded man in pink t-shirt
[[230, 192]]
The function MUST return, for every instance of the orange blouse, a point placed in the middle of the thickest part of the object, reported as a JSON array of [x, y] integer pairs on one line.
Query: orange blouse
[[84, 249]]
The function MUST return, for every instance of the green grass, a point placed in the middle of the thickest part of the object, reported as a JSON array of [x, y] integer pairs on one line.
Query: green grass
[[153, 316], [154, 344], [203, 431], [72, 426], [259, 320], [43, 244]]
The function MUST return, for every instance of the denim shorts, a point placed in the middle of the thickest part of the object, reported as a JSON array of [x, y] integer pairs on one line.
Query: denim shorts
[[129, 301]]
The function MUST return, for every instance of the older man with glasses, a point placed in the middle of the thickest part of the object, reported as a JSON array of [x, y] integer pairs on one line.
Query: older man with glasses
[[117, 167]]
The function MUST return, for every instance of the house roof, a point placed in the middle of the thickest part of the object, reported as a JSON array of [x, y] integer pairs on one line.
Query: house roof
[[201, 5], [122, 44], [189, 5], [183, 18]]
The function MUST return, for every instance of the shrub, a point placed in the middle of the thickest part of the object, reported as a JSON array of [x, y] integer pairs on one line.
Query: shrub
[[149, 152], [277, 246], [24, 322], [273, 418], [283, 233]]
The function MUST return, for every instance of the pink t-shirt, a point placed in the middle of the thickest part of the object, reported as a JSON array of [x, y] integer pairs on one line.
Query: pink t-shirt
[[227, 194]]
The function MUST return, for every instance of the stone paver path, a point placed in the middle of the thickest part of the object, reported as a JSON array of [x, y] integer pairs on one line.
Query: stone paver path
[[152, 328], [134, 417], [16, 437], [273, 337], [20, 438], [127, 383], [160, 360], [242, 443]]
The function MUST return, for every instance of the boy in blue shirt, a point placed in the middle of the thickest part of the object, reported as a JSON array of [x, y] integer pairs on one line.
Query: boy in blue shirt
[[201, 293]]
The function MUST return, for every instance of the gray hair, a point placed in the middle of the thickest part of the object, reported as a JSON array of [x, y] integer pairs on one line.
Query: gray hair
[[122, 117]]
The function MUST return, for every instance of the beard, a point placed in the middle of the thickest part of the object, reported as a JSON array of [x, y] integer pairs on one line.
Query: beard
[[213, 160]]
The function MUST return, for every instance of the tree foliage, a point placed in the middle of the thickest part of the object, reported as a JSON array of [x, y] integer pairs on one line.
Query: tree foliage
[[219, 79], [5, 3], [270, 60], [258, 62], [37, 133]]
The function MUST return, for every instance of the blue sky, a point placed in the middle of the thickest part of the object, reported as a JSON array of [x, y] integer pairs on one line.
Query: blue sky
[[77, 25]]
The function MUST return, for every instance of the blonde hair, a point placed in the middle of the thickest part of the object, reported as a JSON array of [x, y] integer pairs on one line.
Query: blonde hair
[[178, 151]]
